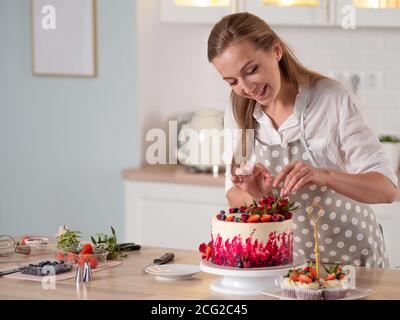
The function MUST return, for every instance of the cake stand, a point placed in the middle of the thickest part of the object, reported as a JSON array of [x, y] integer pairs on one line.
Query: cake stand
[[239, 281]]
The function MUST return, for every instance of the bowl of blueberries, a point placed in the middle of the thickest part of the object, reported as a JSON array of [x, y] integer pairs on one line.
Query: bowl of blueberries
[[44, 268]]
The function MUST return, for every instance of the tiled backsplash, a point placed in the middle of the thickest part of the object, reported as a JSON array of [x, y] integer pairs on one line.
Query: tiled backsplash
[[361, 51], [175, 76]]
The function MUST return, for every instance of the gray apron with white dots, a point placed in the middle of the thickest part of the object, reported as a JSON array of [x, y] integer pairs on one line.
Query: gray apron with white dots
[[349, 232]]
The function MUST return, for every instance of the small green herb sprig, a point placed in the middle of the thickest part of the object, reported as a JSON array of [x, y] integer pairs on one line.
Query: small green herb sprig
[[389, 138], [336, 270], [69, 240], [109, 243]]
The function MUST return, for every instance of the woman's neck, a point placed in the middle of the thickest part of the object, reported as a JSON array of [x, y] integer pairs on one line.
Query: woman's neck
[[282, 107], [285, 99]]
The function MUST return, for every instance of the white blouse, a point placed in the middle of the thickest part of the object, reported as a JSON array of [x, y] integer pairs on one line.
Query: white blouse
[[336, 131]]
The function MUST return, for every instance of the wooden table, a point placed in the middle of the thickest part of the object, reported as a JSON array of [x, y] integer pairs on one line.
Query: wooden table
[[128, 282]]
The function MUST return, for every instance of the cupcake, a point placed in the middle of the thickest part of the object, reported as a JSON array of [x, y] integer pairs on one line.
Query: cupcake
[[308, 287], [288, 283], [335, 284]]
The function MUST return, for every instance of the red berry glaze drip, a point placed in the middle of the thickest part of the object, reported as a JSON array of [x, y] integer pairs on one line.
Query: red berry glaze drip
[[251, 254]]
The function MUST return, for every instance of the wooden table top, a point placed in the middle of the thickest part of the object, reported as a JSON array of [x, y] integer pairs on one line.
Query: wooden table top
[[128, 282]]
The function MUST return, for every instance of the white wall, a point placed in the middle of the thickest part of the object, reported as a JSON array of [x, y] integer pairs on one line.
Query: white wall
[[174, 75], [64, 141]]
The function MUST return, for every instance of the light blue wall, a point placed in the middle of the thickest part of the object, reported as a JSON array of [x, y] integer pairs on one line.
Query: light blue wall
[[64, 141]]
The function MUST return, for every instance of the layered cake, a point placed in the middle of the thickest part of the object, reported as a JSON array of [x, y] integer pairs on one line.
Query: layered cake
[[255, 236]]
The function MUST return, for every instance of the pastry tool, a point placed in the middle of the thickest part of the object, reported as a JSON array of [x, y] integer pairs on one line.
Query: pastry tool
[[315, 218], [167, 257], [130, 246], [10, 271], [9, 246]]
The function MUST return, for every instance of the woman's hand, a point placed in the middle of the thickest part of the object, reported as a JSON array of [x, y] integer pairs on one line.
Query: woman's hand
[[299, 174], [255, 180]]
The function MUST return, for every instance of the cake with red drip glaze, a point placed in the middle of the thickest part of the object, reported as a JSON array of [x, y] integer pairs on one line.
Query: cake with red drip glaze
[[256, 236]]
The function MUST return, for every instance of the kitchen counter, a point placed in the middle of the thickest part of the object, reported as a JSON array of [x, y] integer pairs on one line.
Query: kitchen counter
[[127, 282], [179, 174], [173, 174]]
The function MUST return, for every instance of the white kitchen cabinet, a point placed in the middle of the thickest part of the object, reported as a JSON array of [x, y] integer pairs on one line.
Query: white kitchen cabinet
[[303, 12], [372, 13], [389, 218], [367, 13], [195, 11], [169, 214], [298, 13]]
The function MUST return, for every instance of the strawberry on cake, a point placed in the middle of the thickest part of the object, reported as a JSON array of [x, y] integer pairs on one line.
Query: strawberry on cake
[[255, 236], [335, 284], [303, 284]]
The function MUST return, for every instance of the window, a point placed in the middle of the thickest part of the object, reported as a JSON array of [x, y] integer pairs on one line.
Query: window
[[377, 4], [203, 3], [292, 3]]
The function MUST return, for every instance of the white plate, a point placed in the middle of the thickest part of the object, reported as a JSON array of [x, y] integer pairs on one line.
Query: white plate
[[38, 242], [173, 271], [352, 294]]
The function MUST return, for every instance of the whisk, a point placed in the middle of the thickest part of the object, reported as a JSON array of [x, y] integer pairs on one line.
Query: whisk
[[9, 246]]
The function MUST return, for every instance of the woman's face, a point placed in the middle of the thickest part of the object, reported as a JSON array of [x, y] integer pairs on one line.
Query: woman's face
[[251, 73]]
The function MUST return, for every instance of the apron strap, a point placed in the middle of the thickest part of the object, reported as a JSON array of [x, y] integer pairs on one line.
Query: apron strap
[[303, 140]]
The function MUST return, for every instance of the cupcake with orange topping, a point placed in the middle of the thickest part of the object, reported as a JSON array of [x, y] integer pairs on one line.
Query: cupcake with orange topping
[[335, 284], [289, 282], [308, 286]]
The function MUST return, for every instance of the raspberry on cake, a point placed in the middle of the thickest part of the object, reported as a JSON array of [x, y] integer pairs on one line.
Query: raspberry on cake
[[259, 235]]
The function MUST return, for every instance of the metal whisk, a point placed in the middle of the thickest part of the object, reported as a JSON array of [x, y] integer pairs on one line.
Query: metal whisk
[[9, 246]]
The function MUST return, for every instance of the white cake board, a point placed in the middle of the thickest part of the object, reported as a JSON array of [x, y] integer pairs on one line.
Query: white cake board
[[241, 281]]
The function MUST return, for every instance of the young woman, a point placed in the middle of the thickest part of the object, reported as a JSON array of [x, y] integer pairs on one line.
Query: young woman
[[311, 142]]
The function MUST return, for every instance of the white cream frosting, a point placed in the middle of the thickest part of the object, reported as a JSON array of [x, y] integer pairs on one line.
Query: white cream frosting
[[259, 231], [287, 283], [312, 285], [335, 284]]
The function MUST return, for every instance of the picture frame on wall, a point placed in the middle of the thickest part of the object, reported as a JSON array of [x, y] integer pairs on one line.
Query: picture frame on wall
[[64, 38]]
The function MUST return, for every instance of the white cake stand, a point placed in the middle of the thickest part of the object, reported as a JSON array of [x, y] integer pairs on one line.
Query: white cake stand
[[238, 281]]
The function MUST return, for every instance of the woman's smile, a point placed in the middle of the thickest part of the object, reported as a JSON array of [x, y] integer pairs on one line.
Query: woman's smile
[[261, 93], [265, 78]]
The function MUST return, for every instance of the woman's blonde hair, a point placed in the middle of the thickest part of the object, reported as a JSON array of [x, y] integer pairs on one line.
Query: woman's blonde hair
[[238, 27]]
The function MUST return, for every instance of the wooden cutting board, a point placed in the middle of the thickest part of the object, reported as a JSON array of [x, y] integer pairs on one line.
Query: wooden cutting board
[[61, 276]]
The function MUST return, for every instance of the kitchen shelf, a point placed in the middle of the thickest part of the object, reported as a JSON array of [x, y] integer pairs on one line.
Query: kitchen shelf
[[179, 174], [173, 174]]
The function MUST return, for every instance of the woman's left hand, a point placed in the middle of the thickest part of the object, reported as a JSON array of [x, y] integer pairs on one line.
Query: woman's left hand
[[297, 175]]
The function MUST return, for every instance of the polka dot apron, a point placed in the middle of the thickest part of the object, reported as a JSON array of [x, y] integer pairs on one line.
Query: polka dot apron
[[349, 232]]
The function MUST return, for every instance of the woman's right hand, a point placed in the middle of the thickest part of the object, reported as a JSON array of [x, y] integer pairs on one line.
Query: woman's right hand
[[255, 180]]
